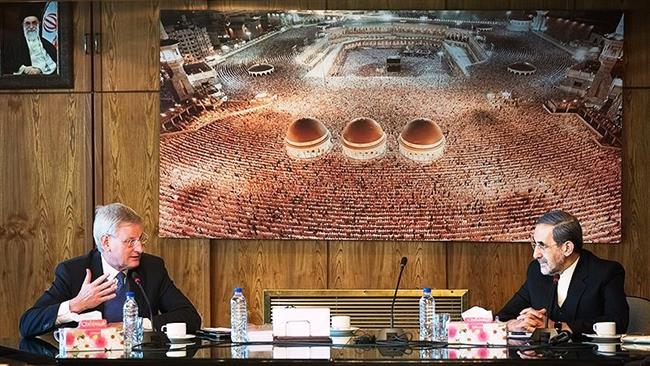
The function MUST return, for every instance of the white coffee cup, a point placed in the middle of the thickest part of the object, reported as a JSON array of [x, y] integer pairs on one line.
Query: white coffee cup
[[174, 330], [605, 328], [341, 322]]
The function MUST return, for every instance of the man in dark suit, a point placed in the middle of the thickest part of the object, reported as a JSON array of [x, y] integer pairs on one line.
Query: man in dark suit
[[567, 283], [99, 280]]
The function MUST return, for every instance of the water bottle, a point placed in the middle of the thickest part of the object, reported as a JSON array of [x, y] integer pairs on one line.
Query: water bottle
[[427, 309], [132, 324], [238, 317]]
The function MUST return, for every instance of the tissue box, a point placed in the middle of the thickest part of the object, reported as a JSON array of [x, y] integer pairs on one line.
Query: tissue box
[[481, 353], [90, 339], [493, 333]]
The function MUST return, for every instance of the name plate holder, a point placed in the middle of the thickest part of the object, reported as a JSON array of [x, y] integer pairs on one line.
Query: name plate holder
[[306, 324]]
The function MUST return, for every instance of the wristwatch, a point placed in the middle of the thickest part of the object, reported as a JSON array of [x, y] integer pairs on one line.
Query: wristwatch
[[558, 326]]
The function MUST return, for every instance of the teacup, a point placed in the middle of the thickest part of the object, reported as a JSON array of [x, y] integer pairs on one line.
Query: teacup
[[605, 328], [175, 330], [340, 322]]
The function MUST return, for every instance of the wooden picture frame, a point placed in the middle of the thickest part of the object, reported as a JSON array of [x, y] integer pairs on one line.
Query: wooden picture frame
[[14, 74]]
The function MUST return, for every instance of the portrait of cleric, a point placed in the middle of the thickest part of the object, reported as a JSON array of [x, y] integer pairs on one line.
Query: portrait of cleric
[[29, 38]]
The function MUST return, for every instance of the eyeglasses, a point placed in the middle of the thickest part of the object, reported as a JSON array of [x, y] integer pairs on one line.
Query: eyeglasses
[[132, 242], [539, 245]]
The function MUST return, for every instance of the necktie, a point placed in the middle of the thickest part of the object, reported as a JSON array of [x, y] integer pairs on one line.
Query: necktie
[[113, 307]]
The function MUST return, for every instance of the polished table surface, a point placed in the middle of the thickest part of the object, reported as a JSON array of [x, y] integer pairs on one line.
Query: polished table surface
[[45, 351]]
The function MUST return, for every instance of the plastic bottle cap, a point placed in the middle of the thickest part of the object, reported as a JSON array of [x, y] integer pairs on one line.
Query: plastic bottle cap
[[238, 290], [426, 290], [130, 294]]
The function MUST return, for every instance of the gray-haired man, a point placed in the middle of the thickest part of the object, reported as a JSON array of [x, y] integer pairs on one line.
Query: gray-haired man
[[98, 281]]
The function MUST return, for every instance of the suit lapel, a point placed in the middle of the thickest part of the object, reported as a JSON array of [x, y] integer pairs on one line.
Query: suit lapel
[[97, 270], [576, 287]]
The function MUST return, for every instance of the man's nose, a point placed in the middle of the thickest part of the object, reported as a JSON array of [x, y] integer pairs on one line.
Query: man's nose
[[537, 253], [138, 247]]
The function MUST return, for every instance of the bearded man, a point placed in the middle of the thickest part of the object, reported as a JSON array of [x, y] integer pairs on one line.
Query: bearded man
[[29, 53], [567, 283]]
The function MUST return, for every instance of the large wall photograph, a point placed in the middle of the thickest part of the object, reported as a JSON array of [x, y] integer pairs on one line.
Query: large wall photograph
[[389, 125]]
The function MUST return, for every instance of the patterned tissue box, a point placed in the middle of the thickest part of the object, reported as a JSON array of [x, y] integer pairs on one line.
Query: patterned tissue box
[[481, 353], [91, 335], [472, 332]]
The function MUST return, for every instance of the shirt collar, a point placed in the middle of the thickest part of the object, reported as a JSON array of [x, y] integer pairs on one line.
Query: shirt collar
[[108, 269], [568, 273]]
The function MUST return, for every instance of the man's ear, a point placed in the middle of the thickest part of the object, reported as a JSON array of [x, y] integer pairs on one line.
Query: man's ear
[[569, 247], [104, 243]]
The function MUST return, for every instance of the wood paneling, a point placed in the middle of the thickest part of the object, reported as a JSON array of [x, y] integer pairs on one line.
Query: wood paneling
[[366, 265], [636, 55], [257, 265], [509, 5], [184, 4], [44, 203], [492, 272], [609, 4], [130, 124], [47, 191], [266, 4], [130, 44], [82, 61]]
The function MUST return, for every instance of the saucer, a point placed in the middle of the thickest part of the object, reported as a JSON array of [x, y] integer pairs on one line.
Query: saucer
[[608, 338], [183, 339], [343, 332]]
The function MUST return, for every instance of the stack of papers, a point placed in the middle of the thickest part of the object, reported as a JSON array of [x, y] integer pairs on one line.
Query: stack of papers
[[636, 338]]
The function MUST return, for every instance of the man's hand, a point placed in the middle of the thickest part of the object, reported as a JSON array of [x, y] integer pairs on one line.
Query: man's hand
[[527, 321], [31, 70], [93, 293]]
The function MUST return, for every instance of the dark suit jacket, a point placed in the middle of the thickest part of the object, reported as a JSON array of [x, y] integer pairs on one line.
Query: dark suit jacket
[[15, 52], [596, 294], [168, 303]]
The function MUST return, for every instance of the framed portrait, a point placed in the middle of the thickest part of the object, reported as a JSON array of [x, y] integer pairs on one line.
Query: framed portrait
[[35, 45]]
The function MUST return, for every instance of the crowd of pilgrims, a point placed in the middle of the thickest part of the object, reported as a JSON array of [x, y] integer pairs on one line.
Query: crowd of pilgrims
[[232, 178]]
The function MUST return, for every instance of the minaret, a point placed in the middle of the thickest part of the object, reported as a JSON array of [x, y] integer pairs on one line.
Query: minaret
[[171, 55], [612, 51], [539, 22]]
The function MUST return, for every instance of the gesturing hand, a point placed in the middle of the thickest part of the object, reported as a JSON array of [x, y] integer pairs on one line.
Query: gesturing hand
[[93, 293]]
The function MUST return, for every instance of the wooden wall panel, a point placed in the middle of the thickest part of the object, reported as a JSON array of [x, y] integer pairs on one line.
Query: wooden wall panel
[[226, 5], [609, 4], [130, 175], [492, 272], [509, 5], [184, 4], [364, 265], [257, 265], [44, 203], [636, 50], [46, 193], [130, 44]]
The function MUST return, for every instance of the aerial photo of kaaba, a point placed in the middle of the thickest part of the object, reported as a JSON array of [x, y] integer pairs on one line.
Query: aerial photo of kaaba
[[389, 125]]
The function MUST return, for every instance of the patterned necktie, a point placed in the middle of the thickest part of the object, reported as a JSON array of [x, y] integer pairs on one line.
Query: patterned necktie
[[113, 307]]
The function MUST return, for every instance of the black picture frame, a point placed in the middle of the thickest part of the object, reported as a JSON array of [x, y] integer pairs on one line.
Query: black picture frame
[[11, 16]]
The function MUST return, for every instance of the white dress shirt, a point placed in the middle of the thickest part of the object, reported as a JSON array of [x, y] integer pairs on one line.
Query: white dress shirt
[[564, 282]]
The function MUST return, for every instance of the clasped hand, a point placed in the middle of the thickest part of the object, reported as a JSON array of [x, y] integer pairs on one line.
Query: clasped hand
[[528, 320], [93, 293]]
